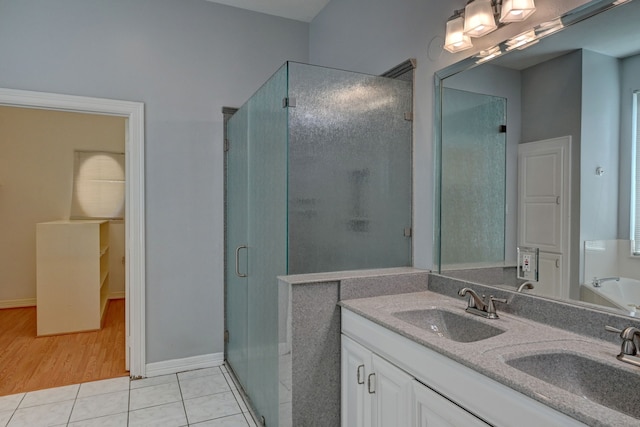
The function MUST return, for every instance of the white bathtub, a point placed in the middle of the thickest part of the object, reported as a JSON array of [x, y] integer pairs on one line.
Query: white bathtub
[[623, 295]]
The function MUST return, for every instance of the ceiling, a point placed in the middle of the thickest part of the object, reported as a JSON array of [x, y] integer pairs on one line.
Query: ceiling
[[300, 10]]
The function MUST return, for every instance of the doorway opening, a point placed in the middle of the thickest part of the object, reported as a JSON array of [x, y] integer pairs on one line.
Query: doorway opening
[[134, 233]]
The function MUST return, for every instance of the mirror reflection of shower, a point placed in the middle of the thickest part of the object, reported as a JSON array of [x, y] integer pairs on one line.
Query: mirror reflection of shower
[[473, 178], [360, 189]]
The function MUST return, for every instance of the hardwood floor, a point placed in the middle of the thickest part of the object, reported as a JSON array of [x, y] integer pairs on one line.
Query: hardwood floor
[[30, 363]]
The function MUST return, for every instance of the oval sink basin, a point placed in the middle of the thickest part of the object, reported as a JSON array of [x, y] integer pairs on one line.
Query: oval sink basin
[[456, 327], [590, 379]]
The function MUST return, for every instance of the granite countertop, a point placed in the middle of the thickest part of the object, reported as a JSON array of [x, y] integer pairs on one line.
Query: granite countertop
[[521, 337]]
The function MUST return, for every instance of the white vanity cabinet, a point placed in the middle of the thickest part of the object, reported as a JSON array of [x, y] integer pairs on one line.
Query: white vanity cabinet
[[72, 275], [375, 393], [416, 386]]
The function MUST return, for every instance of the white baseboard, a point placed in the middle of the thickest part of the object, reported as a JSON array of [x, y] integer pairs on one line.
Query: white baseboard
[[117, 295], [187, 364], [17, 303]]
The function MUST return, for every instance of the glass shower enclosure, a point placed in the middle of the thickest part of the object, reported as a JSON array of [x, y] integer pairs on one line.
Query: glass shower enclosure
[[318, 179]]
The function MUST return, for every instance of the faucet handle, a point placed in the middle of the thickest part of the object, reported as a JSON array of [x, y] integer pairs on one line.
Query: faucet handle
[[612, 329], [628, 335], [491, 307]]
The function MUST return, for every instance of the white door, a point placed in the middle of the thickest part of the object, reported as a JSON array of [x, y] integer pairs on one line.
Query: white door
[[544, 208], [393, 395], [432, 410], [356, 368]]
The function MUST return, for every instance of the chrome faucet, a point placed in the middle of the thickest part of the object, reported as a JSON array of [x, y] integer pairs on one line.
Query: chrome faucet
[[484, 306], [630, 341], [597, 282], [525, 285]]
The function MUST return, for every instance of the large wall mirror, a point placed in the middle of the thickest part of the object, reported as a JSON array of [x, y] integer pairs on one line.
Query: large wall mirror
[[536, 148]]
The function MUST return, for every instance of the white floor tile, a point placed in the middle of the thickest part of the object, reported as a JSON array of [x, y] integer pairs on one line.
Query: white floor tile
[[203, 396], [232, 421], [50, 395], [202, 386], [240, 400], [230, 381], [199, 373], [154, 396], [4, 417], [211, 407], [148, 382], [11, 402], [42, 415], [102, 387], [117, 420], [100, 405], [170, 415]]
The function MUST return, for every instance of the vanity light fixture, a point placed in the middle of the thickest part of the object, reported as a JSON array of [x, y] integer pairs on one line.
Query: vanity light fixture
[[456, 40], [549, 27], [486, 55], [479, 18], [522, 41], [516, 10]]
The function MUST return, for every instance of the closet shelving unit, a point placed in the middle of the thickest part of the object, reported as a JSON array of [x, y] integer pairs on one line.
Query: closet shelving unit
[[72, 263]]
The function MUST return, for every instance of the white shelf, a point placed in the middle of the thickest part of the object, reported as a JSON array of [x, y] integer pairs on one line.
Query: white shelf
[[72, 275]]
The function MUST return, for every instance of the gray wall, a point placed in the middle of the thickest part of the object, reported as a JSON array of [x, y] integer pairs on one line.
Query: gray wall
[[557, 83], [184, 59], [599, 147], [630, 81], [373, 36], [583, 89]]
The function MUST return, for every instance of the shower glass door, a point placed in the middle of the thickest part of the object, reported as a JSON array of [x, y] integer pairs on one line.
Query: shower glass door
[[236, 241], [256, 249], [267, 228]]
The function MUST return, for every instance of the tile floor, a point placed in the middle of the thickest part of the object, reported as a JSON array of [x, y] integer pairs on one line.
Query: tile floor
[[202, 398]]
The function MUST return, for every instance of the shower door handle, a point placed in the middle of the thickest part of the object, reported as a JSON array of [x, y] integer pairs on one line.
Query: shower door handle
[[238, 261]]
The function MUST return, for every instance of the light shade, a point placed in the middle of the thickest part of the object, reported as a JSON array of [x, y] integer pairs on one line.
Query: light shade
[[478, 18], [516, 10], [455, 39]]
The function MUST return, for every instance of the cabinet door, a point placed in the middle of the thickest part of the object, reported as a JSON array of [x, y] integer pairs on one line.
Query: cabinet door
[[356, 367], [550, 276], [393, 395], [432, 410]]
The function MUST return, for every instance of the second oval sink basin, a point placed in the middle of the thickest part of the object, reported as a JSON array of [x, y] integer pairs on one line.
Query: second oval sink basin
[[587, 378], [456, 327]]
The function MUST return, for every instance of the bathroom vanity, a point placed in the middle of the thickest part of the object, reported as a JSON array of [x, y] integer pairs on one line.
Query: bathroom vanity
[[419, 359]]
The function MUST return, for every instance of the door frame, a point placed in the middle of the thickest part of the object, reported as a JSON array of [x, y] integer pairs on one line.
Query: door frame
[[135, 268]]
